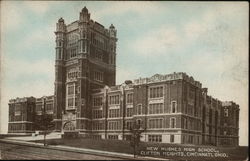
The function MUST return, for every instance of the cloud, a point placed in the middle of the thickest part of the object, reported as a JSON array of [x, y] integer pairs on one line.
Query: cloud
[[120, 8], [157, 42], [13, 69], [39, 36], [123, 74], [38, 7], [11, 16]]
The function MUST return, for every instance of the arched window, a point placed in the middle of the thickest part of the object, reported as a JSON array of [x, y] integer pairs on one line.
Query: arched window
[[69, 126]]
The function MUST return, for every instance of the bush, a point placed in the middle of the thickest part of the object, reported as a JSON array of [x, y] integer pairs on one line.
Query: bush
[[54, 142]]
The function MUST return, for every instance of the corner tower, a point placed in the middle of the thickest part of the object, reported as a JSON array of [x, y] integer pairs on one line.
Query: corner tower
[[59, 84], [85, 60]]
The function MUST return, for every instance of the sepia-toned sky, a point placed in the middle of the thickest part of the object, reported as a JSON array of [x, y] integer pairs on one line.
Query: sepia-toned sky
[[207, 40]]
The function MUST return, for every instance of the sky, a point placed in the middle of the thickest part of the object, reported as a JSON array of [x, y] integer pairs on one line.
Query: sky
[[206, 40]]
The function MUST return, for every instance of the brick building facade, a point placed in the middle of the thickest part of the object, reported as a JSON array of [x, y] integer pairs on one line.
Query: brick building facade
[[22, 113], [172, 108]]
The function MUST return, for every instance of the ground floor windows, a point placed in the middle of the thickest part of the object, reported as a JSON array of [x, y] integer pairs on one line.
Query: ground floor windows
[[97, 126], [113, 137], [96, 137], [155, 138], [127, 137], [69, 126]]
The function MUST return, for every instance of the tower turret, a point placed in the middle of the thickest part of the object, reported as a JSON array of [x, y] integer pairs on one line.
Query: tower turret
[[84, 15], [112, 31], [59, 102]]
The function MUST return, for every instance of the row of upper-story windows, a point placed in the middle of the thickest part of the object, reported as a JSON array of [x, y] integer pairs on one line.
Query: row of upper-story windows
[[129, 112], [191, 124], [158, 123], [156, 108], [114, 100], [97, 101], [98, 54], [98, 76], [96, 114], [72, 53], [129, 98], [99, 41], [156, 92], [72, 39], [137, 110], [114, 125], [112, 113]]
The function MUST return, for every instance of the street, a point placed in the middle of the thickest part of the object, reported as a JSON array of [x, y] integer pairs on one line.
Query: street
[[10, 151]]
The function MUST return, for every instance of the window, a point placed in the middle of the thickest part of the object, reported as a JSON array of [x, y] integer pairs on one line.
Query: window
[[139, 122], [70, 102], [173, 107], [156, 108], [98, 76], [113, 125], [69, 126], [171, 138], [191, 93], [39, 107], [96, 137], [129, 112], [127, 137], [97, 101], [172, 122], [155, 138], [226, 112], [113, 137], [129, 125], [72, 75], [114, 113], [114, 100], [73, 53], [17, 110], [98, 55], [155, 123], [97, 114], [130, 98], [71, 89], [138, 109], [156, 92], [184, 123], [49, 107], [97, 126]]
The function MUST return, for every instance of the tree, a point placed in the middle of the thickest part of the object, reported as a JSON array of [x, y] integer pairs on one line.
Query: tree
[[45, 124], [136, 135]]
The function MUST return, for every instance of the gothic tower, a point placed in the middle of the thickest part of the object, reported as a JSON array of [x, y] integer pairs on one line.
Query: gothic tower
[[59, 90], [85, 60]]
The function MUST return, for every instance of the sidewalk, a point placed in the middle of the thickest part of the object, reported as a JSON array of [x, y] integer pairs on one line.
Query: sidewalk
[[33, 138], [80, 150]]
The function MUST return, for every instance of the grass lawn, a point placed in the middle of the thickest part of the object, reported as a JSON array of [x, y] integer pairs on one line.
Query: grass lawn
[[125, 147], [106, 145]]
